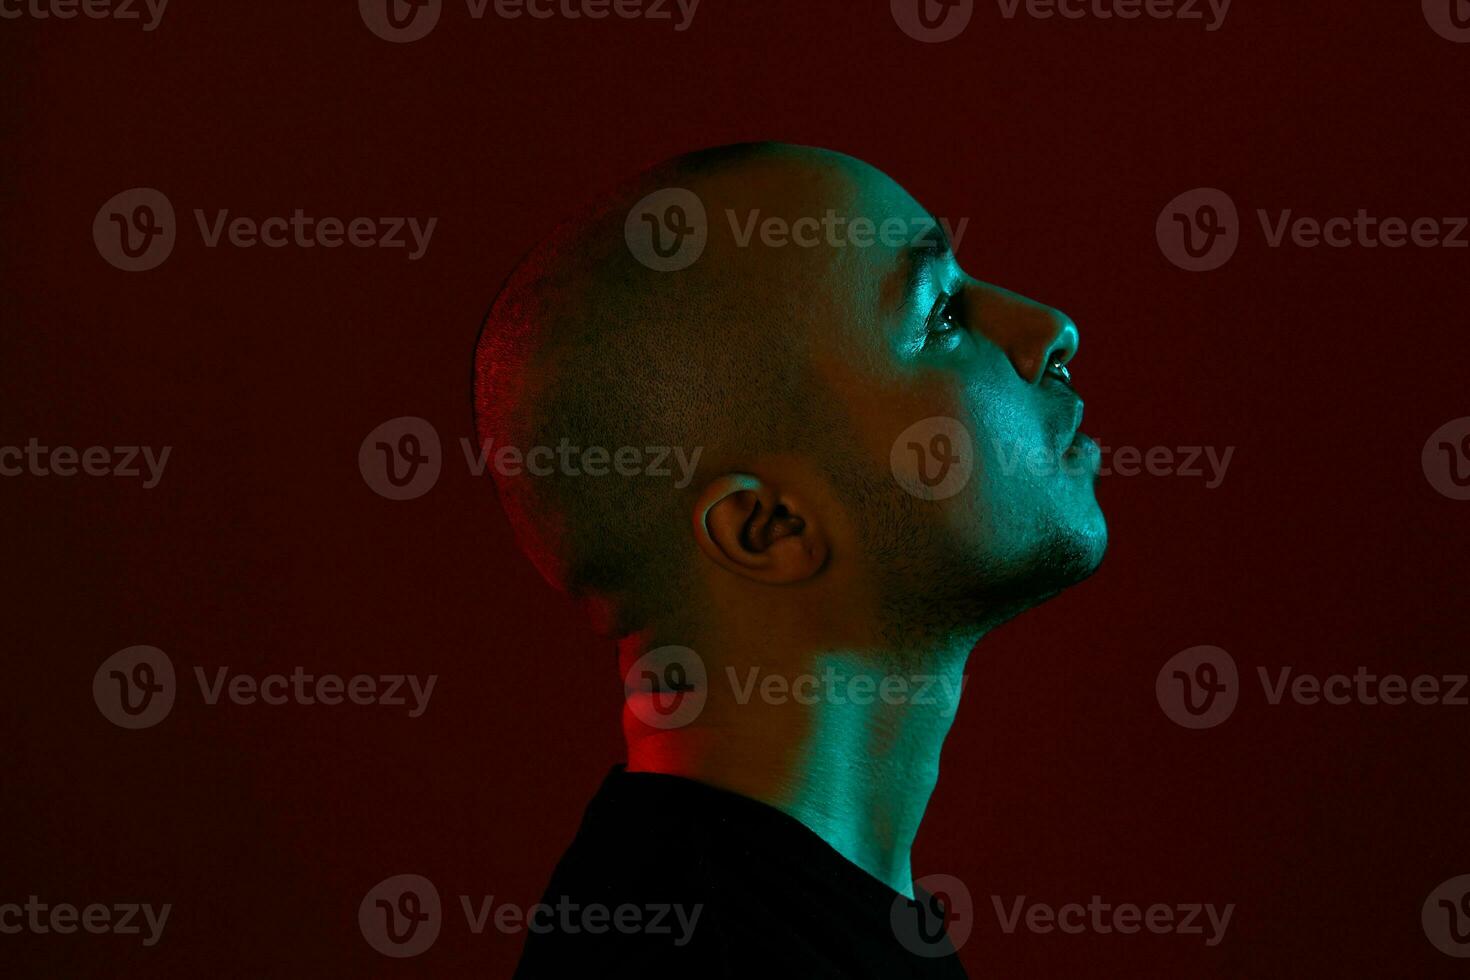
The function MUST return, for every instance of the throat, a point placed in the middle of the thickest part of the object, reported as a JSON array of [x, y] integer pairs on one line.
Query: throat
[[850, 752]]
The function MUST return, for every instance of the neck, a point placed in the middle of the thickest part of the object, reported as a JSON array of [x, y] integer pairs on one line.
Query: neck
[[845, 742]]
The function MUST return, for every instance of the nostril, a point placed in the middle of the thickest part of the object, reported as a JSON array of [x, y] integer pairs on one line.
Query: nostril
[[1064, 343]]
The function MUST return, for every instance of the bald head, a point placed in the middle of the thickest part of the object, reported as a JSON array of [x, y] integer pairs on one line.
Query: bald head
[[736, 309], [589, 347]]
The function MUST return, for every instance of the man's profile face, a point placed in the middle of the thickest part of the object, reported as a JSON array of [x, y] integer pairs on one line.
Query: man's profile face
[[892, 437], [952, 389]]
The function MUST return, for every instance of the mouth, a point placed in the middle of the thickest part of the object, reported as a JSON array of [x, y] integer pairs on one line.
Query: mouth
[[1081, 449], [1084, 452]]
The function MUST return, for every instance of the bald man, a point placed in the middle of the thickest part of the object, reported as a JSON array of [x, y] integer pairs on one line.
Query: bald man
[[881, 461]]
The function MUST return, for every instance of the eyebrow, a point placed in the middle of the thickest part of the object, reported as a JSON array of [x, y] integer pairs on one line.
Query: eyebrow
[[921, 255]]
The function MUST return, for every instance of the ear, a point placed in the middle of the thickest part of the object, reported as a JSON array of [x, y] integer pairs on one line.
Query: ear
[[748, 527]]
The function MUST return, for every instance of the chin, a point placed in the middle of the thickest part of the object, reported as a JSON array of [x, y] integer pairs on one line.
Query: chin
[[1072, 552], [1069, 553], [1089, 543]]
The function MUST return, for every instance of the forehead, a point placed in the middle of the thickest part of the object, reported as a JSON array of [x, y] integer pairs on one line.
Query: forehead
[[807, 253], [832, 226], [796, 182], [865, 293]]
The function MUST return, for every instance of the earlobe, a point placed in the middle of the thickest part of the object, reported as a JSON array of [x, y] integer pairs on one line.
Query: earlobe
[[751, 528]]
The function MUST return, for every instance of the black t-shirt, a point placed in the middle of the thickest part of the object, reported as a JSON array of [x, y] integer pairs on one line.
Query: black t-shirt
[[669, 877]]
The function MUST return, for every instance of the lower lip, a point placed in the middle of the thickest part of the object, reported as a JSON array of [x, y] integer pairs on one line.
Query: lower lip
[[1083, 448]]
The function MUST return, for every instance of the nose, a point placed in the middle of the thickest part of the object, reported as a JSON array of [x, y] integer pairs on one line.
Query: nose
[[1031, 334]]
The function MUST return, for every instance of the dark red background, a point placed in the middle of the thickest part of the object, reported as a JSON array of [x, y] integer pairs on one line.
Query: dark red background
[[263, 548]]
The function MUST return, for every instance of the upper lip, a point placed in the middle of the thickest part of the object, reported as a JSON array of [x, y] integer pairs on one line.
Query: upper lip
[[1076, 426]]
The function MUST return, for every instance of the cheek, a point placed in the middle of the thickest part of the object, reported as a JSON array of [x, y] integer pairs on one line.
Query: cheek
[[1009, 443], [1015, 463], [911, 423]]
